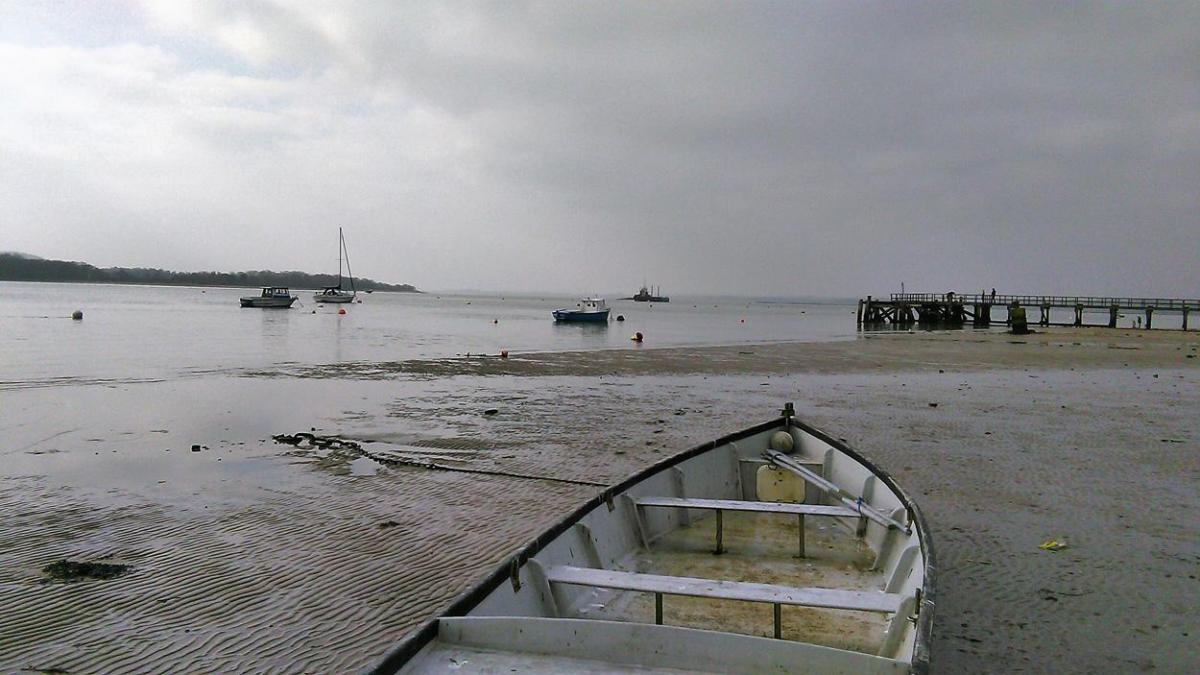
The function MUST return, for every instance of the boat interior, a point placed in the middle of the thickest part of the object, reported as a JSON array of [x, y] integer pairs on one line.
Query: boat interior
[[777, 550]]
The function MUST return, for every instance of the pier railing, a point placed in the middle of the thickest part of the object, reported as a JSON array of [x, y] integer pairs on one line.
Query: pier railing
[[1100, 302]]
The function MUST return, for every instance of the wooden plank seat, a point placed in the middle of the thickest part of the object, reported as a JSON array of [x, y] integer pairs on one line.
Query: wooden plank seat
[[759, 507], [774, 594], [721, 505]]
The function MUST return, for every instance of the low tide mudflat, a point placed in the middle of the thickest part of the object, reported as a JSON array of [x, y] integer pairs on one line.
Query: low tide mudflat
[[246, 555]]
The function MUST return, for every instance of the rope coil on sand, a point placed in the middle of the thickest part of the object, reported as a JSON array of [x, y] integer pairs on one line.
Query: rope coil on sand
[[335, 443]]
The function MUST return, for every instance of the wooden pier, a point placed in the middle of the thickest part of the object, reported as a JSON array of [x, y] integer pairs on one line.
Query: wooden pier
[[952, 309]]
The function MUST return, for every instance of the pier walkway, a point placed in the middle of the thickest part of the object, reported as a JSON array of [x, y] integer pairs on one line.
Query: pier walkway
[[954, 309]]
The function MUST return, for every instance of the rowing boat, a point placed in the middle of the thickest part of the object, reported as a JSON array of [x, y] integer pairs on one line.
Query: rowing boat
[[775, 549]]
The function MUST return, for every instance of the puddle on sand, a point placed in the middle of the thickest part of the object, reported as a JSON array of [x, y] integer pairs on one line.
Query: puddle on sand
[[363, 466]]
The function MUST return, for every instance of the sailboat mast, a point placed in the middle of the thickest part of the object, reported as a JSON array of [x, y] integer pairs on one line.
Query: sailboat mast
[[345, 251], [340, 244]]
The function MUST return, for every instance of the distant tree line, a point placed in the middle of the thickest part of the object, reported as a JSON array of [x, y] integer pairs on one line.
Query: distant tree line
[[20, 268]]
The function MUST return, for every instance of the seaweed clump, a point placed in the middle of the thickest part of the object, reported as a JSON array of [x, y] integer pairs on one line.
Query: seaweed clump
[[71, 570]]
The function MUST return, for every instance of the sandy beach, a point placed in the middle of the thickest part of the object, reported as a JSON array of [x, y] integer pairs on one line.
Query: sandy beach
[[252, 556]]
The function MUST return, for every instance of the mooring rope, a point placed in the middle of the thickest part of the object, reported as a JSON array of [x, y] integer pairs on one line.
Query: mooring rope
[[334, 443]]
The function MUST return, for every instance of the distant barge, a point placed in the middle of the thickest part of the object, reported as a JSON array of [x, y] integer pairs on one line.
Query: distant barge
[[647, 295]]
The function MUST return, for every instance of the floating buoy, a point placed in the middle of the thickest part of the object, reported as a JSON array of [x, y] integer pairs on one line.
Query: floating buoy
[[637, 337], [743, 321], [495, 321], [314, 311], [341, 311], [620, 317], [77, 315]]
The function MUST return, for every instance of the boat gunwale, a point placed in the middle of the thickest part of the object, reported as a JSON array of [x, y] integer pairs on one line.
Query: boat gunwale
[[464, 602]]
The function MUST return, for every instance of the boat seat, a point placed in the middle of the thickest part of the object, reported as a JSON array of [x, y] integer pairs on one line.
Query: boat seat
[[720, 505], [777, 595], [758, 507]]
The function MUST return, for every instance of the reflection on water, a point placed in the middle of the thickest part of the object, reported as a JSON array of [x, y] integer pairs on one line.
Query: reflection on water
[[138, 333]]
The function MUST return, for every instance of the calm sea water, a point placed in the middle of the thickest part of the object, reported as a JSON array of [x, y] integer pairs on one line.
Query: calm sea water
[[146, 333]]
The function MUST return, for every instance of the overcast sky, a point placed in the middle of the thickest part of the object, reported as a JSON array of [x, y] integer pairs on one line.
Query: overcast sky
[[820, 148]]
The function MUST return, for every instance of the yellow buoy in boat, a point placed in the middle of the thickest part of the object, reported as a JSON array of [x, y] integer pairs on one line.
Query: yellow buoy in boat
[[776, 485]]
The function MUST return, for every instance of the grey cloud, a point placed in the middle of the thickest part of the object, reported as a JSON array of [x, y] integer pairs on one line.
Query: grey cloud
[[770, 148]]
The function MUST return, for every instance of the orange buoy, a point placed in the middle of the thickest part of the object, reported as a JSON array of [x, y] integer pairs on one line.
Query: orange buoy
[[341, 311]]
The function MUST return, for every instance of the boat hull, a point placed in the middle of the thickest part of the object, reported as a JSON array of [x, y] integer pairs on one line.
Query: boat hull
[[268, 303], [332, 298], [577, 316], [562, 602]]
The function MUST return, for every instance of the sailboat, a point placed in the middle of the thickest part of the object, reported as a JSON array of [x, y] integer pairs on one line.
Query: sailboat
[[337, 293]]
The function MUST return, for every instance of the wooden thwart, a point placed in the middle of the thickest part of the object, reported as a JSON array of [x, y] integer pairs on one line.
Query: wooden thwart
[[758, 507], [865, 601], [721, 505]]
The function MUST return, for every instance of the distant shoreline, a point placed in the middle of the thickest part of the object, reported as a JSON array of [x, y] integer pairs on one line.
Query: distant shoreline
[[167, 284], [17, 267]]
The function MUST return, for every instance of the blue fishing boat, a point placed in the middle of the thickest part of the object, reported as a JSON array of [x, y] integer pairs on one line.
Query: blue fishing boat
[[588, 310]]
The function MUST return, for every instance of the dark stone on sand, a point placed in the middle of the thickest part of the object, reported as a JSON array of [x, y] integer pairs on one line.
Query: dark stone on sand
[[71, 570]]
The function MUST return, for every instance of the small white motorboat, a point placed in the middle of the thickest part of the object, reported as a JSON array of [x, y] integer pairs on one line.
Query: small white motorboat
[[775, 549], [276, 297]]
